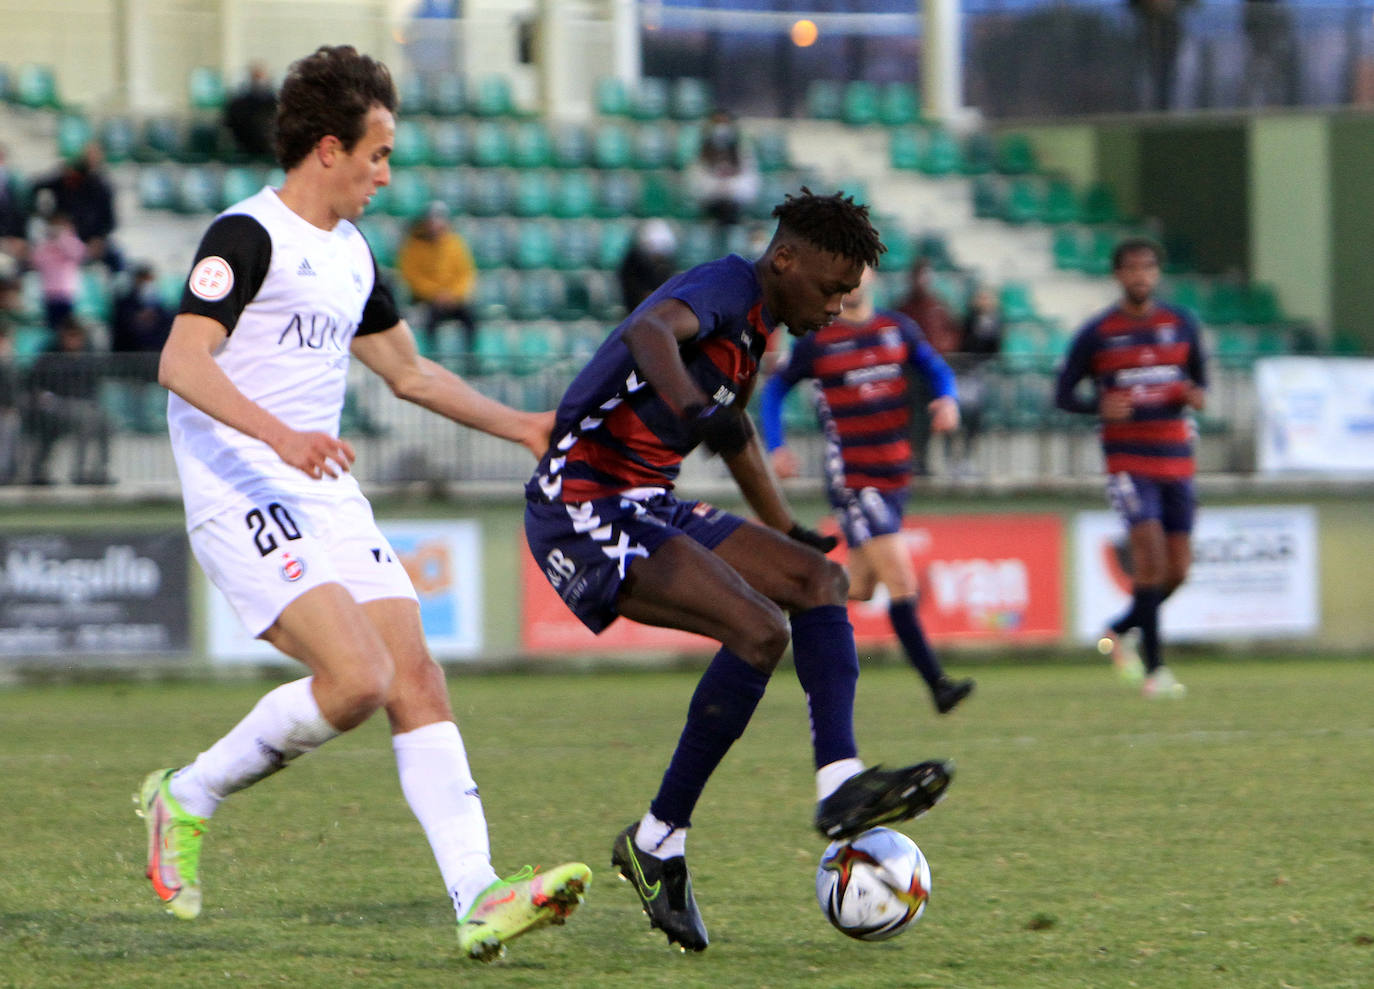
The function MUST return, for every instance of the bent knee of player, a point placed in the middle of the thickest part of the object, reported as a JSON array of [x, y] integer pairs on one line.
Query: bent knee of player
[[355, 689], [825, 583], [763, 639]]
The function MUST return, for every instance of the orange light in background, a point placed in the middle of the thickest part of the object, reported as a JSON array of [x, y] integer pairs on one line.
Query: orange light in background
[[804, 33]]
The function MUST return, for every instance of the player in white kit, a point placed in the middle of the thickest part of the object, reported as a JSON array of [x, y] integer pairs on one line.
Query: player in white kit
[[282, 291]]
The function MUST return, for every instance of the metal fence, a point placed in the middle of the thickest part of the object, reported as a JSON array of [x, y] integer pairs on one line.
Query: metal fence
[[108, 409]]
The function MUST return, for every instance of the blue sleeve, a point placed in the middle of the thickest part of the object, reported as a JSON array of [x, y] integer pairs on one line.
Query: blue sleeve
[[1197, 358], [925, 359], [718, 294], [1074, 370], [775, 389]]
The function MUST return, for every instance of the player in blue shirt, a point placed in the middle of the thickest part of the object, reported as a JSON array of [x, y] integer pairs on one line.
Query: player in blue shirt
[[614, 540], [863, 402]]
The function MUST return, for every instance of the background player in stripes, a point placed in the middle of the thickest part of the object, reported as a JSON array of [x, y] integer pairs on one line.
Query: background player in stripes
[[1145, 361], [859, 364]]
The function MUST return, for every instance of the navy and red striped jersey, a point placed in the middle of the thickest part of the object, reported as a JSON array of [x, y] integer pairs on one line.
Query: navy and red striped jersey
[[1153, 358], [864, 403], [613, 432]]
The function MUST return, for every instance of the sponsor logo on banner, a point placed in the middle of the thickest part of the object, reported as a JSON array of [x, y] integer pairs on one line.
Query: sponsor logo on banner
[[1254, 575], [444, 563], [94, 594], [983, 577]]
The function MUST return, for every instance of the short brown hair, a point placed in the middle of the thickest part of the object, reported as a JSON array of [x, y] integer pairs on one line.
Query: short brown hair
[[329, 92], [1132, 244]]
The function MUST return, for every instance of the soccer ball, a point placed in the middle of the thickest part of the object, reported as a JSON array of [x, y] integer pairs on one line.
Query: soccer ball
[[874, 886]]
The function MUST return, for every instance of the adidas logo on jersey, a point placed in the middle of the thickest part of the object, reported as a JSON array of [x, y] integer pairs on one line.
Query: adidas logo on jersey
[[305, 269]]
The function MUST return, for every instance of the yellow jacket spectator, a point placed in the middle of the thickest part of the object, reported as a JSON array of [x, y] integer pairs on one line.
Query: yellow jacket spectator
[[437, 267]]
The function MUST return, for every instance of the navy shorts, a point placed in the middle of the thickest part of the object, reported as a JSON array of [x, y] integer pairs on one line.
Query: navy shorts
[[1144, 499], [585, 548], [868, 513]]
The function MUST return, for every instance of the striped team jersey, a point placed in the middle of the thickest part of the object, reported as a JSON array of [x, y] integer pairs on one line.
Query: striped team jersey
[[864, 401], [613, 433], [1153, 357]]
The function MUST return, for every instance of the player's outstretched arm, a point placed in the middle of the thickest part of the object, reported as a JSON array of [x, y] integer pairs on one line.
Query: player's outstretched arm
[[393, 356], [188, 369]]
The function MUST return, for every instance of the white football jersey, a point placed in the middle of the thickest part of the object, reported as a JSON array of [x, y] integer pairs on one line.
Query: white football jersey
[[292, 297]]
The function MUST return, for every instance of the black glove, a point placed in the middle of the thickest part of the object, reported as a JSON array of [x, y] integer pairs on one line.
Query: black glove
[[723, 430], [812, 538]]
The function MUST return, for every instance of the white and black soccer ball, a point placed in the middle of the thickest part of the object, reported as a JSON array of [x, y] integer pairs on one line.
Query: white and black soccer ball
[[873, 886]]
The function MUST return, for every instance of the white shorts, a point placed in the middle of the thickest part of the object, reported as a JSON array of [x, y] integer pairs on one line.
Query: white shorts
[[271, 548]]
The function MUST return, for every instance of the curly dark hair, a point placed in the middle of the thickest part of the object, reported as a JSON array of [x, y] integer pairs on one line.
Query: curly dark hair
[[835, 224], [329, 92], [1132, 244]]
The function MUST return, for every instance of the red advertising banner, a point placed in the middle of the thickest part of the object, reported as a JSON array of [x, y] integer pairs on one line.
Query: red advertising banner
[[983, 578]]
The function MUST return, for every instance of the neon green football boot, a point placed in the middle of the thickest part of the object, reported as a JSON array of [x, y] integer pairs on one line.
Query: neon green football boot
[[174, 838], [522, 903]]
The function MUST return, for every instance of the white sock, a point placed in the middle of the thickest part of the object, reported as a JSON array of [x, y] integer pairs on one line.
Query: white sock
[[829, 777], [439, 787], [284, 724], [662, 841]]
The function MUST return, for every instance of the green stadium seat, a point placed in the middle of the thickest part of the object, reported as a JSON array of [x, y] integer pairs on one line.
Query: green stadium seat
[[1261, 305], [980, 154], [383, 236], [943, 156], [617, 195], [657, 196], [1061, 202], [73, 133], [488, 193], [1225, 304], [649, 100], [1271, 341], [538, 295], [534, 246], [697, 244], [799, 412], [572, 147], [652, 147], [118, 139], [448, 144], [156, 188], [450, 186], [933, 246], [576, 245], [603, 292], [1067, 248], [612, 147], [1023, 345], [1017, 303], [94, 299], [410, 193], [161, 139], [612, 97], [1024, 203], [577, 297], [690, 99], [203, 141], [860, 103], [491, 348], [574, 195], [530, 145], [1015, 155], [583, 340], [899, 105], [205, 88], [490, 145], [1179, 255], [489, 243], [686, 145], [612, 243], [1099, 205], [445, 94], [1097, 259], [1185, 293], [537, 346], [988, 199], [411, 146], [238, 183], [824, 99], [1233, 346], [533, 194], [6, 84], [35, 87], [198, 190], [410, 89], [771, 151], [901, 251], [906, 149], [952, 288], [491, 97]]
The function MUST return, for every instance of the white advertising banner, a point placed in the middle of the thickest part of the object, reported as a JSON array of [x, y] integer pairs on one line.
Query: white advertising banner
[[1316, 414], [1254, 575], [444, 560]]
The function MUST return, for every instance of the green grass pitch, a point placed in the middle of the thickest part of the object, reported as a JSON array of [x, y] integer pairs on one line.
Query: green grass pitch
[[1090, 839]]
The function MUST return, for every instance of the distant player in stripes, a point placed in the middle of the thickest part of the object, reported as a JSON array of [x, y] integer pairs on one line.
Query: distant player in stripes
[[863, 402], [613, 539], [1145, 362], [282, 294]]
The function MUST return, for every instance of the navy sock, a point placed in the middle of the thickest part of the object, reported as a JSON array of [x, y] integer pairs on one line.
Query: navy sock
[[828, 668], [913, 638], [1147, 601], [720, 710], [1128, 620]]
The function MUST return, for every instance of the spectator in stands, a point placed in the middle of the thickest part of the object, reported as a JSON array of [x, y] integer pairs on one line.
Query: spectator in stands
[[1160, 31], [139, 324], [723, 178], [9, 402], [1269, 67], [436, 265], [64, 399], [57, 258], [924, 306], [250, 114], [81, 190], [649, 262], [14, 212], [981, 341]]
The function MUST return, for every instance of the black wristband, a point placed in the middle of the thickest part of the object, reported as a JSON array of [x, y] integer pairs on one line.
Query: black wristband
[[812, 538], [724, 430]]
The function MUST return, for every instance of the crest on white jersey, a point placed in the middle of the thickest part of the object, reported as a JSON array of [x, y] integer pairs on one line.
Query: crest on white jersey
[[211, 279]]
